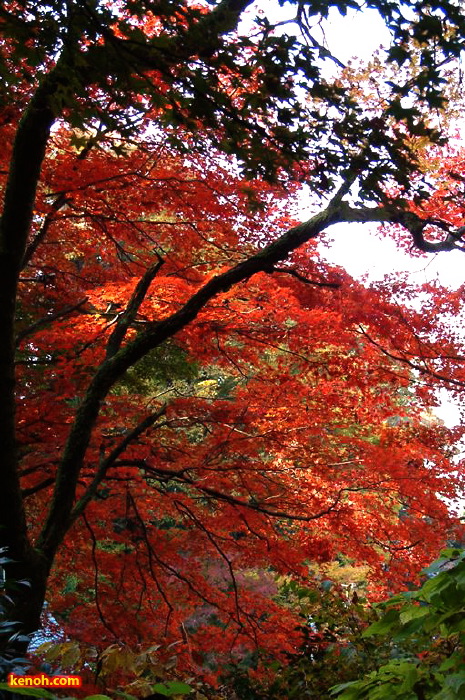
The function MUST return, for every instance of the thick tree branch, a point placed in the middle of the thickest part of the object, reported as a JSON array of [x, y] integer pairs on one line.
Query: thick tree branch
[[412, 222], [25, 166], [133, 306], [38, 487], [57, 204]]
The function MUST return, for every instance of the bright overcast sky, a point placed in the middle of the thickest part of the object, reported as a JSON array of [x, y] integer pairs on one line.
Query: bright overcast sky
[[359, 35]]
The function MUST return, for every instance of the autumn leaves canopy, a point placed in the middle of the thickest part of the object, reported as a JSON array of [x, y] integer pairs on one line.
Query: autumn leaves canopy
[[193, 402]]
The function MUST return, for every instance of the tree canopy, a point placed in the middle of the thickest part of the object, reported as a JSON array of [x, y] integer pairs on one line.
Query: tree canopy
[[193, 403]]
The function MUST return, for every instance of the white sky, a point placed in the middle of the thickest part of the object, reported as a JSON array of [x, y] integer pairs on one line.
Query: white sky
[[357, 35], [356, 248]]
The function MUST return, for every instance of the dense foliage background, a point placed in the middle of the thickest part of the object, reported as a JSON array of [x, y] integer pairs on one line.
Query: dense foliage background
[[218, 451]]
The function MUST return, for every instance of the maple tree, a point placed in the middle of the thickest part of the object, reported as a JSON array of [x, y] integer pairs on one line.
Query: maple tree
[[192, 401]]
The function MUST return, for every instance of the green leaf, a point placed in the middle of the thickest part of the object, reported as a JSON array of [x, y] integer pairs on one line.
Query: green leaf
[[383, 626], [457, 681], [171, 688], [352, 689], [451, 662], [412, 612]]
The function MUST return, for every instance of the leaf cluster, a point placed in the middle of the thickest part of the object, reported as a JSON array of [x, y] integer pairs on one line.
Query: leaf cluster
[[10, 631], [262, 98], [430, 621]]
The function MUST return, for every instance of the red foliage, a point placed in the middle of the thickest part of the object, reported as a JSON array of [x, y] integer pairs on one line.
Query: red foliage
[[289, 416]]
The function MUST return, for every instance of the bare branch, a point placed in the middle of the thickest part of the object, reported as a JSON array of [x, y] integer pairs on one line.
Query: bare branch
[[60, 201], [409, 220], [109, 461], [410, 363], [305, 280], [38, 487], [127, 317], [97, 579], [181, 475]]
